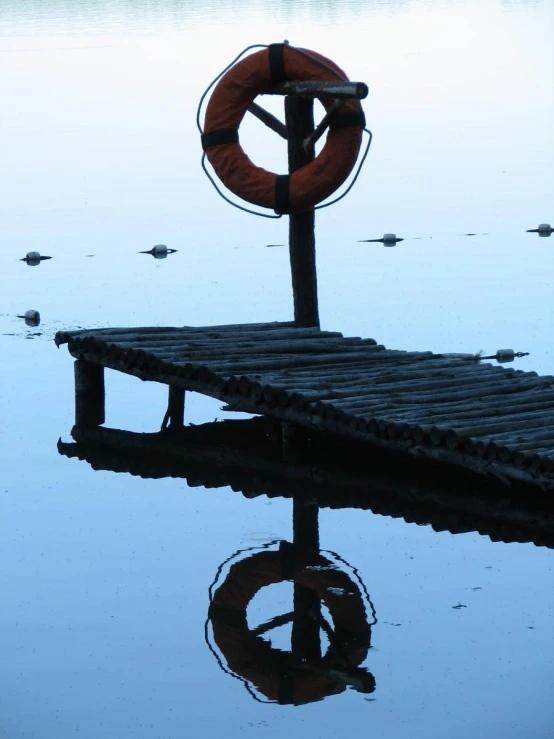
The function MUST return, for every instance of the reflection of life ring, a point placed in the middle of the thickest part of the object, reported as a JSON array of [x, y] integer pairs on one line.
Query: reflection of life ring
[[277, 674], [230, 100]]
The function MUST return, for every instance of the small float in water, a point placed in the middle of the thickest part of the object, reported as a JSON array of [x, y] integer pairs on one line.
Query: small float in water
[[159, 251], [32, 258], [544, 229], [31, 317], [387, 240], [504, 355]]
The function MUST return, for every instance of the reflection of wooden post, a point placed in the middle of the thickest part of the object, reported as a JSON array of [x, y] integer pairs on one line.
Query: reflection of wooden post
[[291, 441], [89, 394], [306, 643], [299, 117]]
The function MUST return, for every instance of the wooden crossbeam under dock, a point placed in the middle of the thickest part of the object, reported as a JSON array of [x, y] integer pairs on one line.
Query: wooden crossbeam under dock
[[445, 407]]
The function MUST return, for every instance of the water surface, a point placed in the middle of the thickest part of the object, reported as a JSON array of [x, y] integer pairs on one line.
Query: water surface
[[105, 577]]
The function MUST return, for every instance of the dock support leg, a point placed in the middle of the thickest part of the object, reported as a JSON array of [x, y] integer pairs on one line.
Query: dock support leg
[[175, 414], [176, 407], [306, 642], [89, 394], [299, 116]]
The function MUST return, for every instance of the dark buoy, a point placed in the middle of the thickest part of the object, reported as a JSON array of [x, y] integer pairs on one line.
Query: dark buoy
[[545, 229], [159, 251], [32, 317], [506, 355], [33, 258], [387, 240]]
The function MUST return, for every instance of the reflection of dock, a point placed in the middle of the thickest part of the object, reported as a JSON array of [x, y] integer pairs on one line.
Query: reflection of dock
[[240, 454], [447, 408]]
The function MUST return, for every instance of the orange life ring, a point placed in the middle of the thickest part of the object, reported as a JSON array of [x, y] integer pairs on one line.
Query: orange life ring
[[275, 673], [230, 100]]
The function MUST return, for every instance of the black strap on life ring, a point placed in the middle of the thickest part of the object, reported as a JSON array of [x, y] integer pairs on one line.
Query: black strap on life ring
[[223, 136], [227, 616], [282, 194], [347, 120], [277, 63], [286, 688]]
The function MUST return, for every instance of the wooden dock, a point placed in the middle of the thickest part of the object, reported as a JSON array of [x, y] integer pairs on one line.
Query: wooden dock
[[448, 408]]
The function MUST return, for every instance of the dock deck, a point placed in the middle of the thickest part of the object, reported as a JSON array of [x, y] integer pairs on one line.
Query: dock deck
[[444, 407]]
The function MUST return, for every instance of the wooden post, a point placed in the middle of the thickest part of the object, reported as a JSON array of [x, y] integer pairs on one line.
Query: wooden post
[[89, 394], [299, 117], [174, 417], [305, 641], [176, 407]]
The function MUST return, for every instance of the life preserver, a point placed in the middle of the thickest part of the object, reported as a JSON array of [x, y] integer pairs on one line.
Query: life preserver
[[230, 100], [275, 673]]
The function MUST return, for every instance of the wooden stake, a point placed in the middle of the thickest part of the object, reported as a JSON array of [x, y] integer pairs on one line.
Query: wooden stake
[[176, 407], [299, 116], [312, 89], [269, 119]]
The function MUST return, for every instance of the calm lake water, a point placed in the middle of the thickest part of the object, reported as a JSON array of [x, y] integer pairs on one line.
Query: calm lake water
[[105, 578]]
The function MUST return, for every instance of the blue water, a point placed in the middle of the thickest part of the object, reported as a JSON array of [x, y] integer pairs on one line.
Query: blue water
[[104, 577]]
